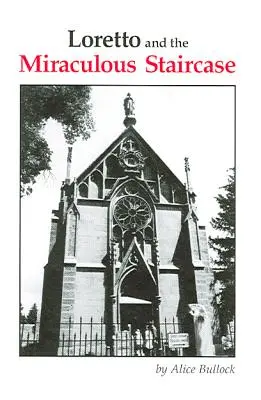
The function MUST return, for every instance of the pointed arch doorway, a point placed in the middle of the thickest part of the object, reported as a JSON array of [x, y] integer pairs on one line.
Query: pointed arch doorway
[[135, 313], [136, 299]]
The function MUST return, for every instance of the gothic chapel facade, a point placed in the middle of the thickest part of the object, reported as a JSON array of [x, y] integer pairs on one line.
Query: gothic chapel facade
[[125, 248]]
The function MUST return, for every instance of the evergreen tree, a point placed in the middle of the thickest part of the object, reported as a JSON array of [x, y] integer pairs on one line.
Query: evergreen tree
[[69, 105], [22, 316], [32, 315], [224, 246]]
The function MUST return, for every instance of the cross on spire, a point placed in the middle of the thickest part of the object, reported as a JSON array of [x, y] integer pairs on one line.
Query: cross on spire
[[131, 144]]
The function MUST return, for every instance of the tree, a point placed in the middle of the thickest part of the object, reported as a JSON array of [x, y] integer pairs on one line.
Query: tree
[[224, 247], [69, 105], [22, 316], [32, 315]]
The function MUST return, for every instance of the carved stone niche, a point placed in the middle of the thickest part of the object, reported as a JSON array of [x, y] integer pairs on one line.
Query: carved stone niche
[[131, 160], [130, 157]]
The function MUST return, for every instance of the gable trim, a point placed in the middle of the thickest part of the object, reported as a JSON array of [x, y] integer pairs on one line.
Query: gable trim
[[128, 131]]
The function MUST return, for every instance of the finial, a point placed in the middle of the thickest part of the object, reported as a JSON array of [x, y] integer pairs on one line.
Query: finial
[[129, 111], [187, 168], [191, 193], [69, 163]]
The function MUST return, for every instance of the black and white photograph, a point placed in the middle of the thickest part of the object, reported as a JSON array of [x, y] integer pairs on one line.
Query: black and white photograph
[[127, 221]]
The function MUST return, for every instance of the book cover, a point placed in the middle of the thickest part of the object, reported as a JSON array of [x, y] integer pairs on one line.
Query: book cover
[[124, 119]]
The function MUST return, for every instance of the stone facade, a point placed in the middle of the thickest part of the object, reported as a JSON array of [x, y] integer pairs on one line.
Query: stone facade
[[125, 246]]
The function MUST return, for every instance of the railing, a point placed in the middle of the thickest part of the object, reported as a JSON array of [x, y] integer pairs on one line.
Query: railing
[[94, 338], [83, 338], [29, 338]]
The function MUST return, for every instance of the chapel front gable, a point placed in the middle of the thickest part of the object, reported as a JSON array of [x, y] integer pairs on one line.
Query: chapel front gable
[[130, 157]]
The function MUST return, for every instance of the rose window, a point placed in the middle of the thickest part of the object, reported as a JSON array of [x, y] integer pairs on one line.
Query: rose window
[[132, 212]]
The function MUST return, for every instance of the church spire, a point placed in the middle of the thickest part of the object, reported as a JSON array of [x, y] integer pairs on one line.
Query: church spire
[[129, 111]]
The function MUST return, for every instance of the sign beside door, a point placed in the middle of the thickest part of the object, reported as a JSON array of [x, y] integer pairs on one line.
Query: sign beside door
[[177, 340]]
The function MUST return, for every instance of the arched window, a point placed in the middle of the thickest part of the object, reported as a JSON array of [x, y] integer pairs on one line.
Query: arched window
[[150, 175], [95, 185], [150, 172], [83, 190], [180, 196], [166, 190], [114, 170]]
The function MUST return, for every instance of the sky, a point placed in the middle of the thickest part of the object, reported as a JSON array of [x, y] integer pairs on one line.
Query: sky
[[176, 121]]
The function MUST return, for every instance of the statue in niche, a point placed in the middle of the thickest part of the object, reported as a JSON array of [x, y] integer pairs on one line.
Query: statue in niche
[[129, 105]]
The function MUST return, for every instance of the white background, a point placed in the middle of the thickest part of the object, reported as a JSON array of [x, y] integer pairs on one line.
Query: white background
[[223, 30]]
